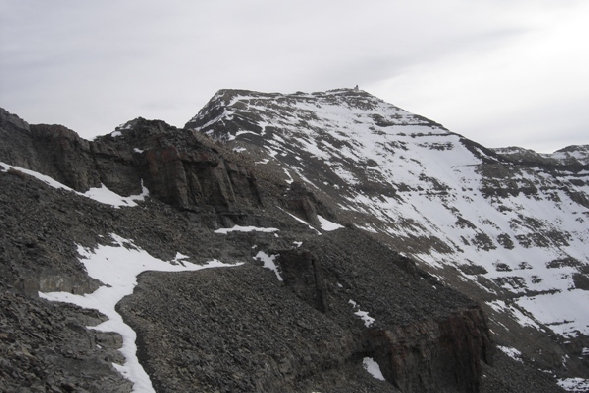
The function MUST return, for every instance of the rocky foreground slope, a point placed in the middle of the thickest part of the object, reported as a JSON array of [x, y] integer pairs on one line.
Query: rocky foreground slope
[[288, 255]]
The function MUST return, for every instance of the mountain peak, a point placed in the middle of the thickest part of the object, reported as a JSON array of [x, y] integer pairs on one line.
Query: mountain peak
[[346, 109], [510, 221]]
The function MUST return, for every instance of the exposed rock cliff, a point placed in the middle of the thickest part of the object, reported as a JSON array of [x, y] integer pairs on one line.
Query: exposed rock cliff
[[173, 164]]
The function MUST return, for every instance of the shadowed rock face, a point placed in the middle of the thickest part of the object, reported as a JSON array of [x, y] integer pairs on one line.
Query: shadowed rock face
[[434, 355], [302, 273], [171, 163], [345, 295]]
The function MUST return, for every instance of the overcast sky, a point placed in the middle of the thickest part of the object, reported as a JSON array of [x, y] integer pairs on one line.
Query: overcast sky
[[500, 72]]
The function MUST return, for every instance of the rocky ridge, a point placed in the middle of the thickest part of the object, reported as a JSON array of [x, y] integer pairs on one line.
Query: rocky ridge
[[335, 297]]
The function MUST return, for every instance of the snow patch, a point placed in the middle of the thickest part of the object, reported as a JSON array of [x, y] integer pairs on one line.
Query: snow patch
[[566, 313], [363, 315], [179, 258], [44, 178], [372, 367], [240, 228], [100, 194], [290, 179], [301, 221], [118, 267], [328, 225], [574, 384], [269, 262], [107, 197], [511, 352], [138, 151], [520, 317]]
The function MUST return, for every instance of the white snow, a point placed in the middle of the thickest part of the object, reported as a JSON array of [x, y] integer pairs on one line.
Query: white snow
[[372, 367], [240, 228], [241, 132], [363, 315], [440, 194], [114, 134], [580, 385], [301, 221], [106, 196], [511, 352], [269, 262], [517, 315], [328, 225], [44, 178], [179, 258], [102, 194], [117, 267], [566, 313], [137, 150], [290, 179]]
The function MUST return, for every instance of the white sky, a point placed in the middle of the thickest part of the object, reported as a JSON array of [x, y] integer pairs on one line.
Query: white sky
[[499, 72]]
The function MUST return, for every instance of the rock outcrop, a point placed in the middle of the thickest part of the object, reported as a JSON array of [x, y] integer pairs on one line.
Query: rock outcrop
[[173, 164]]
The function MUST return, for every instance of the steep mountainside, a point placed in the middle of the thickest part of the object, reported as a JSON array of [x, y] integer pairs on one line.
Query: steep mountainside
[[292, 243], [507, 226]]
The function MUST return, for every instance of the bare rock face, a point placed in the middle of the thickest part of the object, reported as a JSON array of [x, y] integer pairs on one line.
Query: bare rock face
[[172, 163], [435, 355], [302, 202], [301, 272]]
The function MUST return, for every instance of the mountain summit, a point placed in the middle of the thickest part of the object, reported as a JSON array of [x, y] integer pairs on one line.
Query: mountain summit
[[507, 226], [305, 242]]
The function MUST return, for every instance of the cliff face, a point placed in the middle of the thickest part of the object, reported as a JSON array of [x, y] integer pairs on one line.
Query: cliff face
[[171, 163], [306, 300], [435, 355]]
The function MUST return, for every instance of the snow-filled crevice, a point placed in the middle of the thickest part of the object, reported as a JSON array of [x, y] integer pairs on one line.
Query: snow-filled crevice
[[99, 194], [269, 263], [117, 267]]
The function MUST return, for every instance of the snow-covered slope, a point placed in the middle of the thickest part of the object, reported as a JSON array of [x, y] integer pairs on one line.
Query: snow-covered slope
[[508, 226]]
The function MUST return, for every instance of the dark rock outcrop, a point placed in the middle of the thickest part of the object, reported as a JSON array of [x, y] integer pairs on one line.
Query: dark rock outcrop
[[301, 273], [45, 347], [172, 163], [434, 356]]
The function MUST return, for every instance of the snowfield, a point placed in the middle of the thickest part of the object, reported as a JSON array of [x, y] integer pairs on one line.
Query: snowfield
[[443, 188]]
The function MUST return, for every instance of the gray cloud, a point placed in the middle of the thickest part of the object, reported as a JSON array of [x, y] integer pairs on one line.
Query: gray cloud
[[93, 65]]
